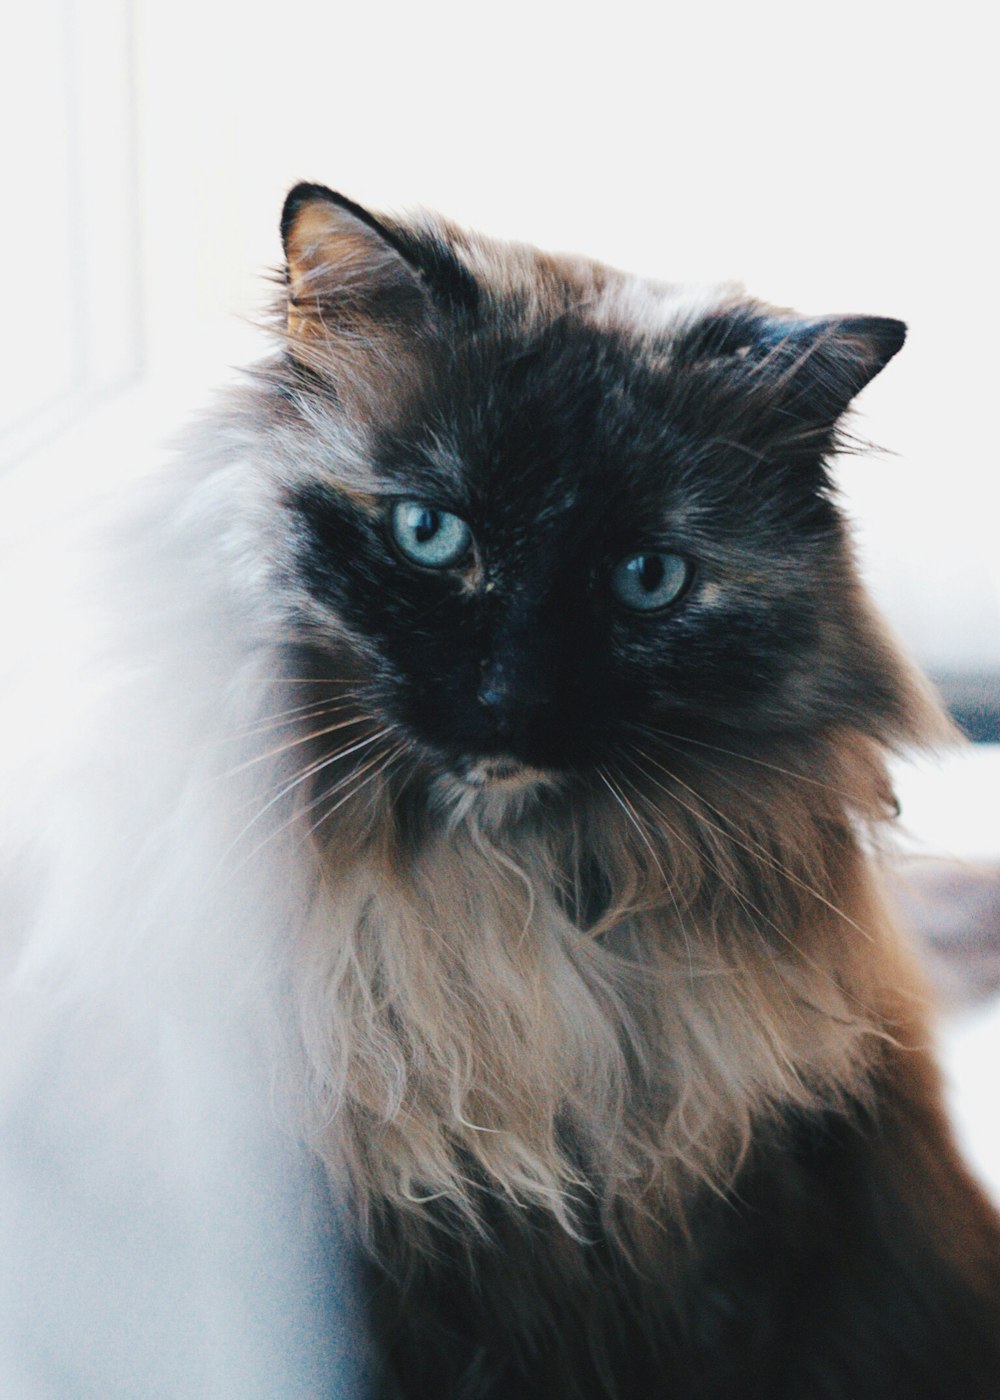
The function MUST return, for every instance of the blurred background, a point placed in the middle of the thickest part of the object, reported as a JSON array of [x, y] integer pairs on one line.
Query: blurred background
[[835, 162], [833, 159]]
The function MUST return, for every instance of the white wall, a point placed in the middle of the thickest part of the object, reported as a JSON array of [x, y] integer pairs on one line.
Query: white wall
[[68, 236], [834, 158]]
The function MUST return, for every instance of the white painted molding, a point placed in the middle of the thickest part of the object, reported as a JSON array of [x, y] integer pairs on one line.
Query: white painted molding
[[69, 238]]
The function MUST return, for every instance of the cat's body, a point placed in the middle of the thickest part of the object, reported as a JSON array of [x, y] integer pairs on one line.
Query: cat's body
[[818, 1275], [562, 722]]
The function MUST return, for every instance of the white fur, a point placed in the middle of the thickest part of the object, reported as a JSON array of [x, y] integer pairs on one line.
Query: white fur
[[160, 1228]]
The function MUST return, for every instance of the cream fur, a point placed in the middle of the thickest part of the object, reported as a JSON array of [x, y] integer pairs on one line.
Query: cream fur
[[437, 1018]]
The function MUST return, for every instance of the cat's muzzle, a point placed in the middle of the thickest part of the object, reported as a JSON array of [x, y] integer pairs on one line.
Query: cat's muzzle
[[503, 774]]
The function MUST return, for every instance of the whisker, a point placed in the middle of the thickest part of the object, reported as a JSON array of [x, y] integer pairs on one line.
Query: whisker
[[387, 760], [744, 899], [327, 761], [631, 814], [676, 835], [761, 850], [804, 957], [303, 680], [278, 719], [295, 743], [656, 733], [317, 801]]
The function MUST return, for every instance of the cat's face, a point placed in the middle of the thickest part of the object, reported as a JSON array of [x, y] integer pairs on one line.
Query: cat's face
[[585, 515]]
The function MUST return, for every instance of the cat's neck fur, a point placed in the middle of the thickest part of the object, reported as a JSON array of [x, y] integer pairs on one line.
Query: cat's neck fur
[[468, 1031]]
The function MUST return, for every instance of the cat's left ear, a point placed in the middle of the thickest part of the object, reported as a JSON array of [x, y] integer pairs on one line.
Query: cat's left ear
[[818, 366], [779, 374]]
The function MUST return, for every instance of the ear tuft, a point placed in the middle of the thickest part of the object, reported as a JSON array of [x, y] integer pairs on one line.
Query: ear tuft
[[346, 270], [306, 193], [302, 194], [839, 355], [883, 336], [775, 378]]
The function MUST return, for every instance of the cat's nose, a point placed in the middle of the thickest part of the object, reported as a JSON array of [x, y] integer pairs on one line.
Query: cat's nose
[[509, 699], [494, 697], [495, 692]]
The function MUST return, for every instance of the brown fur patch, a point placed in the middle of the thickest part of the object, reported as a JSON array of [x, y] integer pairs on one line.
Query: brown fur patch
[[619, 1069]]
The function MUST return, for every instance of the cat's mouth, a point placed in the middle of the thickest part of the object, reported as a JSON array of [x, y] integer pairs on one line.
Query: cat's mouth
[[500, 774]]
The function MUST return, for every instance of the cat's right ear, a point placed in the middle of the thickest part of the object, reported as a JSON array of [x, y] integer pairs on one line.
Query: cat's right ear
[[346, 274]]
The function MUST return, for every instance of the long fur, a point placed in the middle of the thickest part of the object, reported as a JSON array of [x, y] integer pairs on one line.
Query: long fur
[[547, 1039]]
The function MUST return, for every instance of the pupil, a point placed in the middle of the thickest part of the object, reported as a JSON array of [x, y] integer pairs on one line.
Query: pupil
[[651, 572], [426, 526]]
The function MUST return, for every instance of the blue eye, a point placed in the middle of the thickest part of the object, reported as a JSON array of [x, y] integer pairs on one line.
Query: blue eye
[[649, 581], [429, 536]]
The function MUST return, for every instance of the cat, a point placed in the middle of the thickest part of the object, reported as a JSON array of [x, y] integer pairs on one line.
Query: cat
[[631, 1076], [545, 722], [631, 1089]]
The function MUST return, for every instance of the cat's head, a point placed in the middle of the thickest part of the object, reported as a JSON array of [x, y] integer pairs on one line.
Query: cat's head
[[549, 509]]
